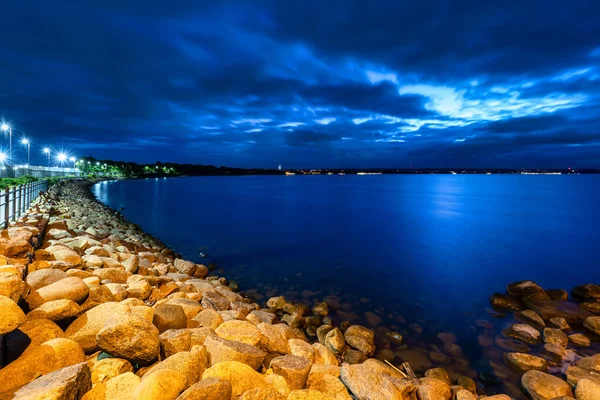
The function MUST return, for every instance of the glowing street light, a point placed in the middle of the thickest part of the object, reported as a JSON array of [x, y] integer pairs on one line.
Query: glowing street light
[[62, 157], [3, 157], [27, 143], [47, 153], [6, 127]]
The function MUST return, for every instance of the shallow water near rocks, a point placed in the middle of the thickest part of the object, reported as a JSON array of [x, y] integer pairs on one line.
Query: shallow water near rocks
[[387, 251]]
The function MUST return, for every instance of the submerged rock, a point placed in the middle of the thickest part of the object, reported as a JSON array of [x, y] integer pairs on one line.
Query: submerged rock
[[522, 363], [523, 332]]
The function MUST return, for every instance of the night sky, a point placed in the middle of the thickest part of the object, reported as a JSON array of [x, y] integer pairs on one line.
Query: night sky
[[329, 83]]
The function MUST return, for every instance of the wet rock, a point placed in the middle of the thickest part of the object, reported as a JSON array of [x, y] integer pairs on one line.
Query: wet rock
[[294, 369], [587, 390], [373, 319], [559, 323], [173, 341], [164, 384], [322, 331], [521, 362], [262, 316], [323, 355], [41, 360], [441, 358], [71, 288], [361, 338], [574, 374], [321, 309], [591, 306], [64, 384], [593, 324], [11, 316], [352, 356], [555, 336], [439, 374], [241, 376], [542, 386], [121, 387], [557, 294], [547, 309], [276, 303], [275, 338], [169, 316], [395, 337], [208, 389], [130, 337], [433, 389], [586, 292], [366, 384], [530, 318], [579, 340], [523, 332], [108, 368], [334, 341], [467, 383], [553, 352], [526, 289], [227, 350]]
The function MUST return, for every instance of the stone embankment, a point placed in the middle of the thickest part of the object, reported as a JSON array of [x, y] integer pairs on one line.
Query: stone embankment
[[92, 308]]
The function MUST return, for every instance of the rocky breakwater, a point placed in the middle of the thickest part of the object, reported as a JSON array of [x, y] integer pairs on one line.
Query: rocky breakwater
[[92, 308], [550, 342]]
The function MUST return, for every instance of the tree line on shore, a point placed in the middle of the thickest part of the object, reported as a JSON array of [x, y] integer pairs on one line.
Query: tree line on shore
[[92, 166]]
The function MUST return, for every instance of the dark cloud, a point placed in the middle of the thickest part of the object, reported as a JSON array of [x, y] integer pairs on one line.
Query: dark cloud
[[336, 83]]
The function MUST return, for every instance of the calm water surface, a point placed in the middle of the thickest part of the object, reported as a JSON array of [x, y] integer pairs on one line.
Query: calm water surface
[[434, 245]]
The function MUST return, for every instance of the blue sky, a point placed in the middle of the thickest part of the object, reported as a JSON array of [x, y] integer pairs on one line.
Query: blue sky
[[382, 83]]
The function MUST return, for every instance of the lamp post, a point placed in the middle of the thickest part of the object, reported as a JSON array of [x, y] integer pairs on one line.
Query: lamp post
[[6, 127], [27, 143], [47, 152], [62, 157]]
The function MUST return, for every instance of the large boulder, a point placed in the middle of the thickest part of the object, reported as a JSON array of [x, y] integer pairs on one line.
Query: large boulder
[[85, 328], [587, 389], [208, 389], [108, 368], [360, 338], [43, 359], [69, 383], [28, 336], [12, 286], [593, 324], [71, 288], [228, 350], [522, 362], [121, 387], [164, 384], [294, 370], [366, 383], [11, 316], [44, 277], [241, 376], [241, 331], [130, 337], [330, 385], [56, 310], [191, 364], [275, 337], [169, 316], [542, 386]]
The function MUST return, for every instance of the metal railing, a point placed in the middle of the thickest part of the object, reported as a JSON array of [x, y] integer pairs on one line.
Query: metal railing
[[15, 201]]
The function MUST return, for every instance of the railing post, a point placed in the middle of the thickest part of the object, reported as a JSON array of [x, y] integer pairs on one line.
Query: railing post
[[17, 205], [6, 204]]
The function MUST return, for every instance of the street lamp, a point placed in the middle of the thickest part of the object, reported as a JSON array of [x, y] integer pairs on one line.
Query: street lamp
[[6, 127], [62, 157], [47, 152], [27, 143]]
